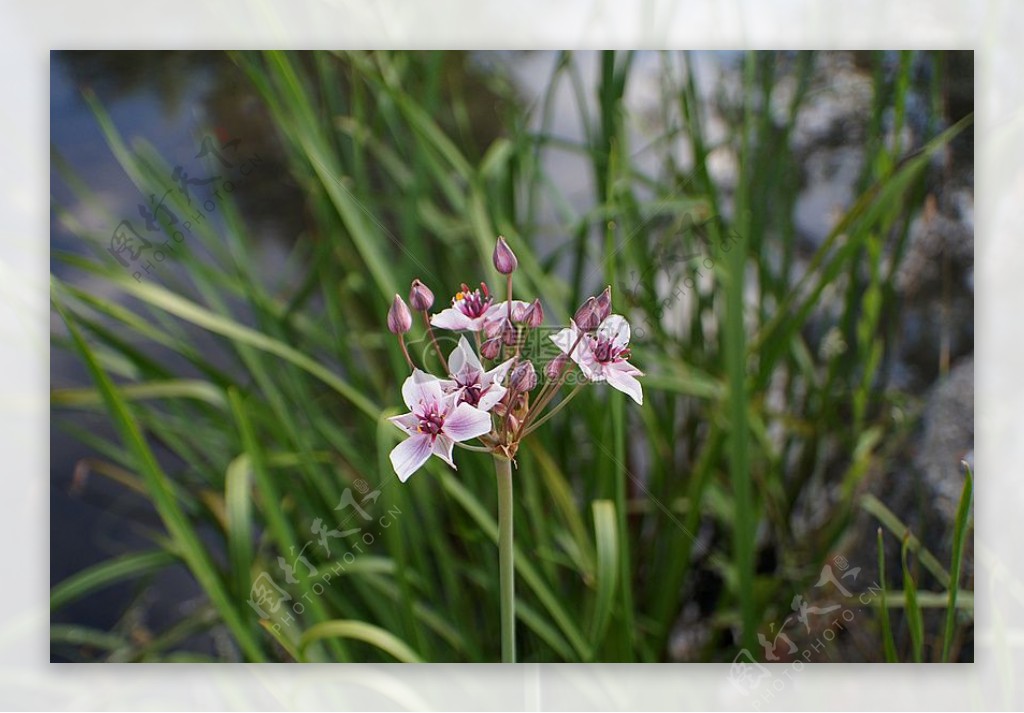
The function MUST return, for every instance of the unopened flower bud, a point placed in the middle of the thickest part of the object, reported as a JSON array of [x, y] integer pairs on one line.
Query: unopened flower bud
[[524, 377], [490, 348], [586, 316], [493, 329], [604, 304], [420, 296], [519, 311], [399, 319], [555, 367], [534, 316], [504, 259], [509, 334]]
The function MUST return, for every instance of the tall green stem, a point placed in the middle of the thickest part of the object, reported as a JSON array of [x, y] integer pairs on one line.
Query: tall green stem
[[503, 467]]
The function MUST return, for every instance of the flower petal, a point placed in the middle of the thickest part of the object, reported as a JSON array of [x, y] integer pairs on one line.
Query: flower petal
[[490, 397], [466, 422], [409, 455], [463, 363], [451, 318], [499, 311], [497, 374], [407, 422], [421, 388], [566, 337], [620, 375], [614, 328], [449, 386], [442, 448]]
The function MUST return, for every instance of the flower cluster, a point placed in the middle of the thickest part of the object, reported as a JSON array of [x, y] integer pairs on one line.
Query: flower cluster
[[499, 405]]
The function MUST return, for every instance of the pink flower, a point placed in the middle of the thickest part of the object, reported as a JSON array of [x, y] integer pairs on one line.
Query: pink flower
[[468, 311], [436, 422], [473, 385], [602, 357]]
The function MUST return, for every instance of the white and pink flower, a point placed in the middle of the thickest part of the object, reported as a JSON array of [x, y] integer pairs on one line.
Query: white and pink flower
[[475, 311], [469, 310], [602, 356], [435, 423], [474, 386]]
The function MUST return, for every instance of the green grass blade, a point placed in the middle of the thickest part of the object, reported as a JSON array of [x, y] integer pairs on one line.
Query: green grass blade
[[959, 537], [238, 512], [360, 631], [107, 573], [888, 643], [606, 536], [912, 611]]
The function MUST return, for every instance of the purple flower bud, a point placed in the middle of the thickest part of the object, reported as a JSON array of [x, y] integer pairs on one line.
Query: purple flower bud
[[490, 348], [509, 334], [524, 377], [399, 319], [420, 296], [534, 316], [555, 367], [504, 259], [586, 316], [519, 311], [604, 304]]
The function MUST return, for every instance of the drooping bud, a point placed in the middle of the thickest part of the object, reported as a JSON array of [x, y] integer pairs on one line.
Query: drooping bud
[[534, 316], [504, 259], [586, 316], [490, 348], [420, 297], [604, 304], [555, 367], [399, 319], [524, 377]]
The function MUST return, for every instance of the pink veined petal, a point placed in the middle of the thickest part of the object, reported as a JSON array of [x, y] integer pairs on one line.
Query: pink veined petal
[[624, 381], [407, 422], [584, 356], [491, 397], [616, 329], [463, 362], [566, 338], [451, 318], [449, 386], [466, 422], [409, 455], [626, 368], [442, 448], [421, 387], [477, 324], [498, 373], [499, 311]]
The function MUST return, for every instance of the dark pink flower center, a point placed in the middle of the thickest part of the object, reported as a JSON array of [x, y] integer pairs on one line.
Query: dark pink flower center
[[471, 394], [605, 351], [473, 304], [431, 421]]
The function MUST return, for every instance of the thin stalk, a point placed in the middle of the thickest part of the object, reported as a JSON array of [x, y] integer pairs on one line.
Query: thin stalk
[[433, 340], [558, 407], [405, 351], [547, 392], [503, 468]]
